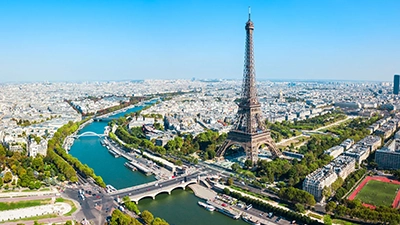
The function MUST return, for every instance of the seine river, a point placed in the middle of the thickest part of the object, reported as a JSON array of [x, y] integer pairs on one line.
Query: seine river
[[179, 208]]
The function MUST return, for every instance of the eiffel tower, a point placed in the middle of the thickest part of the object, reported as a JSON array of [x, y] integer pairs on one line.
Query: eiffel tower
[[249, 129]]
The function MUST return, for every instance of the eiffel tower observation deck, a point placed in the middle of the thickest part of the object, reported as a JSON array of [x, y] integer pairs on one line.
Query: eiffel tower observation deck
[[249, 129]]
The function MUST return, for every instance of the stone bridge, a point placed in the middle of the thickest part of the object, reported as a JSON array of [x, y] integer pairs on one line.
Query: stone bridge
[[151, 190], [161, 189]]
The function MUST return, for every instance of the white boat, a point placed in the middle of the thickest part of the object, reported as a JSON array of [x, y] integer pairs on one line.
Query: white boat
[[206, 206], [130, 166], [230, 213], [114, 153], [250, 220]]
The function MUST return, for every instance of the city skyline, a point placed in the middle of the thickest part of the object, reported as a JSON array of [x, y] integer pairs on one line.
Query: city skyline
[[75, 41]]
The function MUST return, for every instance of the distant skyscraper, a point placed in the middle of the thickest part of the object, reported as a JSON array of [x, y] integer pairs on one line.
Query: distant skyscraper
[[396, 84]]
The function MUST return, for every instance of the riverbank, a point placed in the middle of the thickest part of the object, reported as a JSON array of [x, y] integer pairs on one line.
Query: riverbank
[[69, 140], [230, 207], [122, 110], [141, 164]]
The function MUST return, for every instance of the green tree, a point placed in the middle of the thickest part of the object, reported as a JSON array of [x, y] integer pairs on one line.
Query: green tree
[[131, 206], [297, 196], [327, 220], [248, 164], [159, 221], [7, 177], [119, 218], [227, 191], [235, 167], [2, 150], [326, 192], [37, 164], [210, 153], [230, 181], [330, 206], [147, 217], [300, 208]]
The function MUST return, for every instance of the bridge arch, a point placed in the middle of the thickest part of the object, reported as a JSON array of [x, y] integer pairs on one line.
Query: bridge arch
[[167, 190], [89, 134]]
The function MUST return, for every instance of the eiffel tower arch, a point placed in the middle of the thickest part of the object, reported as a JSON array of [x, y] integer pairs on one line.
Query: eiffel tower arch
[[249, 129]]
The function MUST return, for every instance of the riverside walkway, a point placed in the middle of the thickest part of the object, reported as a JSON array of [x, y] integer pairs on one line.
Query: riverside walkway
[[140, 163], [57, 208], [203, 192]]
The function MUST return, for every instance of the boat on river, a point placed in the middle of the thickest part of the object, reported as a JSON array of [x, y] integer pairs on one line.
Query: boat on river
[[130, 166], [114, 153], [231, 213], [206, 206], [249, 220]]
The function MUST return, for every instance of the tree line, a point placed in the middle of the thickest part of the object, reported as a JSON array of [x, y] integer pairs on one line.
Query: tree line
[[66, 162], [118, 218]]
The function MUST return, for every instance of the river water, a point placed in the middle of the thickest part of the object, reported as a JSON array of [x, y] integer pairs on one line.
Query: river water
[[179, 208]]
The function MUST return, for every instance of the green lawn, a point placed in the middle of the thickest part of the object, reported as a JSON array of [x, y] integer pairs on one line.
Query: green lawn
[[342, 222], [316, 216], [378, 193], [23, 204]]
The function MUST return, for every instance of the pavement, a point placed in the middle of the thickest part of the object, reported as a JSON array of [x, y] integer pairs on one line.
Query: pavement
[[59, 208], [202, 192], [28, 198], [95, 207], [14, 194], [61, 219]]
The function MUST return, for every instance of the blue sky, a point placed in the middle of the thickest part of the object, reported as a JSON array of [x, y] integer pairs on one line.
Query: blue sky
[[123, 40]]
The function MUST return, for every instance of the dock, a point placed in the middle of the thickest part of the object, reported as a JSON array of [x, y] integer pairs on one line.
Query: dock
[[210, 197], [114, 153], [130, 166], [141, 168], [227, 209], [135, 160]]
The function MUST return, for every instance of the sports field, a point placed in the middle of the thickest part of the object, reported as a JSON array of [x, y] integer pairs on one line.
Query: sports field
[[378, 193]]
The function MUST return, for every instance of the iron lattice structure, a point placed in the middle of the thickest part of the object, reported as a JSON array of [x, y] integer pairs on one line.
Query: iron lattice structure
[[249, 129]]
